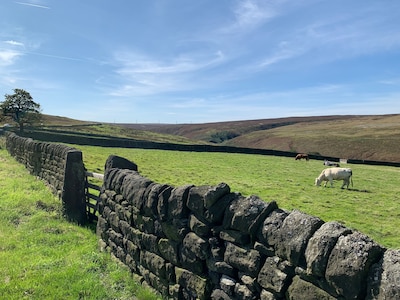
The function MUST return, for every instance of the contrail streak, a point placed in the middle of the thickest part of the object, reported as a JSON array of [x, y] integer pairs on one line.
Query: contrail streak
[[34, 5]]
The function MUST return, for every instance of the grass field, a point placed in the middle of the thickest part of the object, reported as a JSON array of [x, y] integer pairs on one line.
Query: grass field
[[370, 206], [42, 256]]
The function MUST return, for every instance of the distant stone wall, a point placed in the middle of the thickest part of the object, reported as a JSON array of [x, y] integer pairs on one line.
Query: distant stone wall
[[77, 138], [206, 242], [59, 165]]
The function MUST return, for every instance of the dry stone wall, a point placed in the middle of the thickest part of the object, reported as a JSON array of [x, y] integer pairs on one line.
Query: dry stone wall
[[58, 165], [206, 242]]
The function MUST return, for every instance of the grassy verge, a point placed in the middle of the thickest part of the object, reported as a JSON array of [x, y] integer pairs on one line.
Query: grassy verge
[[370, 206], [42, 256]]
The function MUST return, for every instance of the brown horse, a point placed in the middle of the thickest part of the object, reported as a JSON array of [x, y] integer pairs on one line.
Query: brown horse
[[302, 155]]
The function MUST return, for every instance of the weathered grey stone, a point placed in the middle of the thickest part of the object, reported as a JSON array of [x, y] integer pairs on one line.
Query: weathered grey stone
[[73, 187], [151, 201], [170, 272], [169, 250], [243, 259], [131, 249], [217, 248], [242, 292], [119, 199], [174, 291], [220, 267], [196, 286], [320, 246], [143, 223], [296, 230], [101, 228], [114, 161], [103, 246], [267, 295], [271, 227], [111, 204], [175, 230], [249, 281], [191, 262], [123, 212], [134, 235], [138, 190], [155, 282], [196, 245], [218, 294], [384, 277], [267, 251], [120, 254], [132, 187], [235, 237], [131, 263], [117, 177], [116, 237], [162, 205], [177, 208], [275, 275], [106, 213], [200, 228], [114, 221], [215, 213], [195, 201], [203, 197], [349, 264], [158, 231], [303, 290], [246, 214], [149, 242], [153, 263], [227, 284]]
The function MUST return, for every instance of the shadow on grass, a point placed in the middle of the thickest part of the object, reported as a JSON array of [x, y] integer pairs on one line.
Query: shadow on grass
[[358, 190]]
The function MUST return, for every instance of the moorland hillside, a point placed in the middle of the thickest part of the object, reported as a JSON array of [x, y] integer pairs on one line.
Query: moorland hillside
[[372, 137]]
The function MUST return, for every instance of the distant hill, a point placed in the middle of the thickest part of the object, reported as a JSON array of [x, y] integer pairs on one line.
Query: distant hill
[[49, 120], [374, 137]]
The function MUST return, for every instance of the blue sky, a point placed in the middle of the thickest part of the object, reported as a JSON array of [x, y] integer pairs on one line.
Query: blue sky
[[180, 61]]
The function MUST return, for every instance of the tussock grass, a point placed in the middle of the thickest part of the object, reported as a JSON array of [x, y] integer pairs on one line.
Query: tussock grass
[[369, 206], [42, 256]]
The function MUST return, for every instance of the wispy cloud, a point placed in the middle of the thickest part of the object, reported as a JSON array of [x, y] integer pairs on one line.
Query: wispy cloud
[[250, 14], [33, 5], [8, 57], [14, 43], [56, 56], [143, 75]]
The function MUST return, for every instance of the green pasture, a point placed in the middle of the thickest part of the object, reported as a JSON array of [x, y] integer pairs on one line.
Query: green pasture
[[370, 206], [42, 256]]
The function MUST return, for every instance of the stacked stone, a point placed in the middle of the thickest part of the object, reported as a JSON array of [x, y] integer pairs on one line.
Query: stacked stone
[[205, 242], [60, 166], [45, 160]]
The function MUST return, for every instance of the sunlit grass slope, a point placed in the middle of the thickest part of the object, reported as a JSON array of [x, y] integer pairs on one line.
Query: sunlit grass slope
[[370, 206], [42, 256]]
